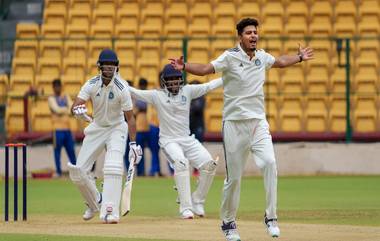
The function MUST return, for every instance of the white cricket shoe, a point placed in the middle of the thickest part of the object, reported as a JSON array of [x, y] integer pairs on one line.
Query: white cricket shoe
[[110, 218], [187, 214], [272, 226], [90, 213], [198, 209], [230, 231]]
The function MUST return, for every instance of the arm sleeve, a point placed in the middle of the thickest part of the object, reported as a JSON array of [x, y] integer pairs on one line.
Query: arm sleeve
[[85, 91], [202, 89], [126, 101], [269, 60], [143, 95], [56, 108], [220, 64]]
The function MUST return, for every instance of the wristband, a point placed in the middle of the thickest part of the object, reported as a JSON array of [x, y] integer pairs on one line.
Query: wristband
[[301, 57]]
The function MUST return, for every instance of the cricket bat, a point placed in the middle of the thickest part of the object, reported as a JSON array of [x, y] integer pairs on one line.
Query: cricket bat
[[126, 195]]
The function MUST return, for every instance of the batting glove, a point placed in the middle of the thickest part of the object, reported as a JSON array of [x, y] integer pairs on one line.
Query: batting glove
[[80, 112], [135, 153]]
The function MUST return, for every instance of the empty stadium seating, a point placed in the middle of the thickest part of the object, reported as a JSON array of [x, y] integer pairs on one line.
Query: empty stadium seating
[[306, 97]]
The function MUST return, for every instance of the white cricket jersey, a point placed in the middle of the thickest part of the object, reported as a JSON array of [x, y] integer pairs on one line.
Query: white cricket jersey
[[243, 81], [173, 111], [109, 102]]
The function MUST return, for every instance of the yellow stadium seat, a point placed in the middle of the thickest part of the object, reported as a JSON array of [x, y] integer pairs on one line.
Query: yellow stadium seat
[[96, 46], [84, 5], [22, 77], [152, 15], [198, 52], [366, 77], [78, 23], [48, 69], [291, 113], [148, 61], [365, 114], [51, 49], [293, 80], [4, 85], [76, 49], [273, 81], [126, 52], [213, 120], [14, 114], [218, 46], [41, 115], [27, 49], [317, 79], [224, 20], [337, 113], [323, 50], [321, 13], [345, 18], [106, 5], [369, 15], [27, 30], [55, 17], [297, 14], [102, 24], [249, 9], [214, 100], [73, 75], [272, 17], [271, 106], [56, 4], [127, 18], [316, 113], [52, 31], [200, 17], [171, 49], [92, 68], [273, 47], [176, 18]]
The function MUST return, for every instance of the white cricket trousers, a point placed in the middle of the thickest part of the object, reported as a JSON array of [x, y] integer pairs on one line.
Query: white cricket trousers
[[98, 138], [239, 138]]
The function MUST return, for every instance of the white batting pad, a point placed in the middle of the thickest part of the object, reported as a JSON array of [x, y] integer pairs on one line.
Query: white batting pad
[[86, 186]]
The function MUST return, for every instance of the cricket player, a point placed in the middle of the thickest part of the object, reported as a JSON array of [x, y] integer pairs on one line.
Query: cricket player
[[245, 128], [60, 105], [172, 103], [112, 104]]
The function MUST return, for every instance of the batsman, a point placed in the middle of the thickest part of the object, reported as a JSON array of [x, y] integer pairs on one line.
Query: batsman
[[108, 130]]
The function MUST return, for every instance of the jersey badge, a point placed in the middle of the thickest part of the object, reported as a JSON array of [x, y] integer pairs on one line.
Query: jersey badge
[[183, 99], [257, 62], [111, 95]]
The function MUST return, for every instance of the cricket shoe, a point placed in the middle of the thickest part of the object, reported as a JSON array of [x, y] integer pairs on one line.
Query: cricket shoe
[[90, 213], [230, 231], [187, 214], [110, 218], [272, 226], [198, 209]]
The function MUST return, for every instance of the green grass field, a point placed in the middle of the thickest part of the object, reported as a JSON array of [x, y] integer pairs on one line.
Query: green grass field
[[353, 200]]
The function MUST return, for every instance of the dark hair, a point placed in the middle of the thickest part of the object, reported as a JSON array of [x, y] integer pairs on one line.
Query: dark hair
[[143, 82], [246, 22], [57, 82]]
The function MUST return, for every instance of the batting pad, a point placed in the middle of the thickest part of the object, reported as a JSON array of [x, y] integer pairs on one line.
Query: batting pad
[[86, 186], [182, 180], [206, 176]]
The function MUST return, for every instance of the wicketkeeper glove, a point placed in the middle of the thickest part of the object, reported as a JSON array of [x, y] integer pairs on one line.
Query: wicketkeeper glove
[[135, 153]]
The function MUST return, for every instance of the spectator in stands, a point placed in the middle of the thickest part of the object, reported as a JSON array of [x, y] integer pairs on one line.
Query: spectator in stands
[[60, 105], [245, 128], [154, 132]]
